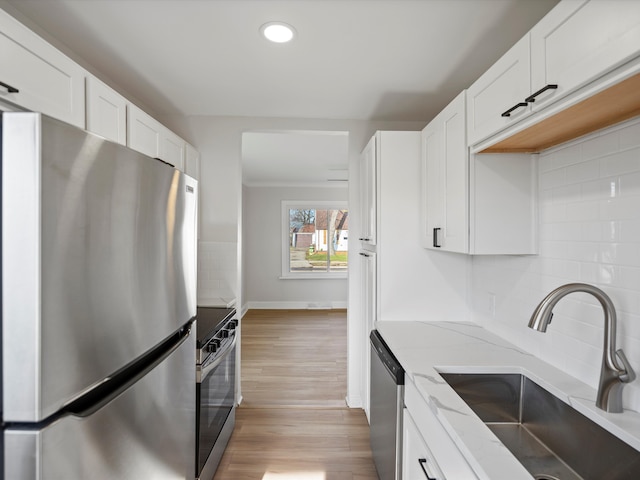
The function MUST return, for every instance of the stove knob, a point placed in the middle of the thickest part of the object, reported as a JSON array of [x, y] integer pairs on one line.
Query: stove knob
[[213, 345], [225, 333]]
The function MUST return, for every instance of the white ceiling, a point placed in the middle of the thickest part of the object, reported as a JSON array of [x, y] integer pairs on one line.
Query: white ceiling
[[352, 59]]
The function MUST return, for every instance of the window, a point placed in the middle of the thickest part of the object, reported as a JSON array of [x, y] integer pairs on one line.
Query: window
[[315, 239]]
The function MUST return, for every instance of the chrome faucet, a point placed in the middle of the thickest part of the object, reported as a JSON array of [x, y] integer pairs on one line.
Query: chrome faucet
[[612, 375]]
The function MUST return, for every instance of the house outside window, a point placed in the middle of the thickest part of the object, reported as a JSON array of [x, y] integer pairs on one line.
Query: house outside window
[[315, 238]]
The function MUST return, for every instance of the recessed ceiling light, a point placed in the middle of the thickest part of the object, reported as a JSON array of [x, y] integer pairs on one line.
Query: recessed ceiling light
[[278, 32]]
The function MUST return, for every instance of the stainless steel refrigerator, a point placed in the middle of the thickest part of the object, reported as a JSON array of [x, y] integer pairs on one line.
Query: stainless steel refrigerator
[[98, 302]]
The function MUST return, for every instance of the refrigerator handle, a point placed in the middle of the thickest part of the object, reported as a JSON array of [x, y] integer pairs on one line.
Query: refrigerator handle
[[114, 385]]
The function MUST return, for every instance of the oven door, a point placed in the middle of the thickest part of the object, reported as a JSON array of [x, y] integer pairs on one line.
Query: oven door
[[215, 396]]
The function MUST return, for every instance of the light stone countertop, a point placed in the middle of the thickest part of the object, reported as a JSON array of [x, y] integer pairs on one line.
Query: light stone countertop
[[426, 348]]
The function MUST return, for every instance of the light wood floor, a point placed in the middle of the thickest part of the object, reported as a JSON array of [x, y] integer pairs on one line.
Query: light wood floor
[[293, 423]]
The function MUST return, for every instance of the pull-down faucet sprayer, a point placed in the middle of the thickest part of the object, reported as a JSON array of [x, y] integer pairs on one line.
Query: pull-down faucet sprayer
[[612, 375]]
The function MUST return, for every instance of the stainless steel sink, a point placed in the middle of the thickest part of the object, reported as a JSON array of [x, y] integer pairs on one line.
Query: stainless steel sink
[[551, 439]]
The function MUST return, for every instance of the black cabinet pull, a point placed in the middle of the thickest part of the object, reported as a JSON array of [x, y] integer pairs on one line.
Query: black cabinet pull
[[515, 107], [9, 88], [435, 237], [423, 462], [365, 254], [532, 98]]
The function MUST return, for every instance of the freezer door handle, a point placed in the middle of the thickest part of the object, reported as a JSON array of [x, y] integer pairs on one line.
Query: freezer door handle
[[103, 393]]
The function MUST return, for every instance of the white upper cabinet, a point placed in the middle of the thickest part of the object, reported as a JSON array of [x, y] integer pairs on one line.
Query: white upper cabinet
[[445, 176], [106, 111], [146, 135], [580, 40], [36, 76], [478, 204], [192, 162], [143, 132], [368, 193], [566, 58], [496, 99], [172, 148]]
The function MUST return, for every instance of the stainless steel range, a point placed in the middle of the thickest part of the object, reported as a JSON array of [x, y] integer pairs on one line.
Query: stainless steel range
[[215, 387]]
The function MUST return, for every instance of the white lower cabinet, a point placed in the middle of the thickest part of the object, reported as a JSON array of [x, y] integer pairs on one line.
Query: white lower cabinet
[[36, 76], [426, 438], [418, 463]]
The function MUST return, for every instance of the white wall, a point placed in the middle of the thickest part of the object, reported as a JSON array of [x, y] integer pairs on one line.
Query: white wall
[[262, 219], [589, 232]]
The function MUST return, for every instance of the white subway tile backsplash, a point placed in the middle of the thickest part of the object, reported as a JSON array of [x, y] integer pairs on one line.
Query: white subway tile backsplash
[[622, 208], [589, 225], [217, 270], [630, 184], [627, 161], [553, 178], [583, 172], [599, 146], [566, 194], [629, 135], [629, 230], [567, 155], [583, 211]]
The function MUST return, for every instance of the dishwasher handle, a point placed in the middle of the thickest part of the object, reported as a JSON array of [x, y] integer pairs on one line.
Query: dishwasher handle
[[391, 363]]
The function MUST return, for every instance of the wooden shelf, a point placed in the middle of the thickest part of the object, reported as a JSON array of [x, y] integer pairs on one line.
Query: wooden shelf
[[613, 105]]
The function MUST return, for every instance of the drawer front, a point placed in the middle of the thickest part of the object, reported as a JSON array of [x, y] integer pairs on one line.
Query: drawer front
[[418, 463]]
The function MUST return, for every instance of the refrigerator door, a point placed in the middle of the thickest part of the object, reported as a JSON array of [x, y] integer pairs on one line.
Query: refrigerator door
[[147, 432], [98, 260]]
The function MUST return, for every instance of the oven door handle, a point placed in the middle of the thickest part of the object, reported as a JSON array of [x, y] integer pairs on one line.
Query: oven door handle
[[202, 373]]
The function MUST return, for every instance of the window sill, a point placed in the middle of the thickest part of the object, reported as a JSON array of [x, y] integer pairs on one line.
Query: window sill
[[313, 276]]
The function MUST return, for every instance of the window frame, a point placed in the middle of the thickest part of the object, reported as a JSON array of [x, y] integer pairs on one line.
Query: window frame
[[286, 206]]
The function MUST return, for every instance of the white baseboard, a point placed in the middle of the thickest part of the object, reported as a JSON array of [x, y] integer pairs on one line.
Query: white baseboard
[[278, 305], [354, 401]]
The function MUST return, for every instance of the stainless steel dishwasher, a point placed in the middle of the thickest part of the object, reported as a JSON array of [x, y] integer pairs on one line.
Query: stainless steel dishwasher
[[385, 409]]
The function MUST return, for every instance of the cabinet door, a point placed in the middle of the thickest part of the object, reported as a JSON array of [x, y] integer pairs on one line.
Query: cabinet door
[[192, 162], [445, 167], [456, 177], [38, 77], [432, 185], [580, 40], [368, 195], [500, 89], [172, 148], [418, 463], [143, 132], [106, 111]]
